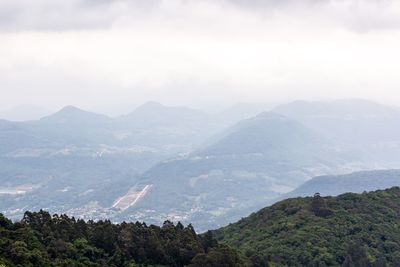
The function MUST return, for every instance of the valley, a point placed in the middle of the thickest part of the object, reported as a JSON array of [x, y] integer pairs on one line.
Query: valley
[[199, 133], [130, 199], [181, 164]]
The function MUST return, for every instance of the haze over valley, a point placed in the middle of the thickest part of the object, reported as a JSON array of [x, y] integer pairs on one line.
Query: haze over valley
[[199, 133], [161, 162]]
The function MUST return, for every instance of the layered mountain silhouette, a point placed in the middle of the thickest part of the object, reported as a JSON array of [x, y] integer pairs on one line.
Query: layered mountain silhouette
[[74, 115], [253, 162], [161, 162]]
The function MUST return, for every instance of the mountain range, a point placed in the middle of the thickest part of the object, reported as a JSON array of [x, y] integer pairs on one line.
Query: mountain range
[[253, 162], [74, 158], [183, 164]]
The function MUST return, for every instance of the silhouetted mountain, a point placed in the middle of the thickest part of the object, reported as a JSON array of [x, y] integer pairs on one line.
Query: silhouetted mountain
[[16, 135], [74, 159], [74, 115], [267, 133], [357, 182], [255, 161], [142, 166]]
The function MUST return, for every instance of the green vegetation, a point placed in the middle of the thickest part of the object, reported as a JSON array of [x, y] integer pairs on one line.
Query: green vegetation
[[352, 230], [348, 230], [44, 240]]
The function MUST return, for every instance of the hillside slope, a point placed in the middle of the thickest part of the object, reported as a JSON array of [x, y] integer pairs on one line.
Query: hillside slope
[[252, 163], [80, 162], [350, 230]]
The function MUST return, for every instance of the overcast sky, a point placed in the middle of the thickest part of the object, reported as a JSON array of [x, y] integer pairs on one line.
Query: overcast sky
[[98, 52]]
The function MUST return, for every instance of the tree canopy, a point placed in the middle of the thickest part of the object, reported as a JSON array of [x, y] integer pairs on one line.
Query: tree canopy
[[40, 239], [348, 230]]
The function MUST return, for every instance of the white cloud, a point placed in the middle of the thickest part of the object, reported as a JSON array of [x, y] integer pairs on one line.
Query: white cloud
[[94, 52]]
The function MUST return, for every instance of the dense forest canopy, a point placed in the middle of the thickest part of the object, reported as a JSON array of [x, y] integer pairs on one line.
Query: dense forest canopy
[[348, 230], [44, 240]]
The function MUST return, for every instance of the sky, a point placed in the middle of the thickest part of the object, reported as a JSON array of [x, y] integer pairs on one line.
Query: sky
[[94, 53]]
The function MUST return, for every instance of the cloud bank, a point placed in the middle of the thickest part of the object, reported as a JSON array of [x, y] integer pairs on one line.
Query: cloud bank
[[92, 52]]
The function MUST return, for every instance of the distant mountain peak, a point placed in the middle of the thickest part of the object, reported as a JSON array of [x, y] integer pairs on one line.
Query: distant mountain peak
[[267, 132], [69, 109], [70, 114]]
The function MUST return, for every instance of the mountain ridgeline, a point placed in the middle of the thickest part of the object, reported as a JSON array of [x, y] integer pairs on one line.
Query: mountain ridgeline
[[254, 162], [77, 161], [357, 182], [181, 164]]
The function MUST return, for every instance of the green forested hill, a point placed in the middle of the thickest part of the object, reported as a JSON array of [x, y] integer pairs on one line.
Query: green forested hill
[[353, 230], [348, 230], [44, 240]]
